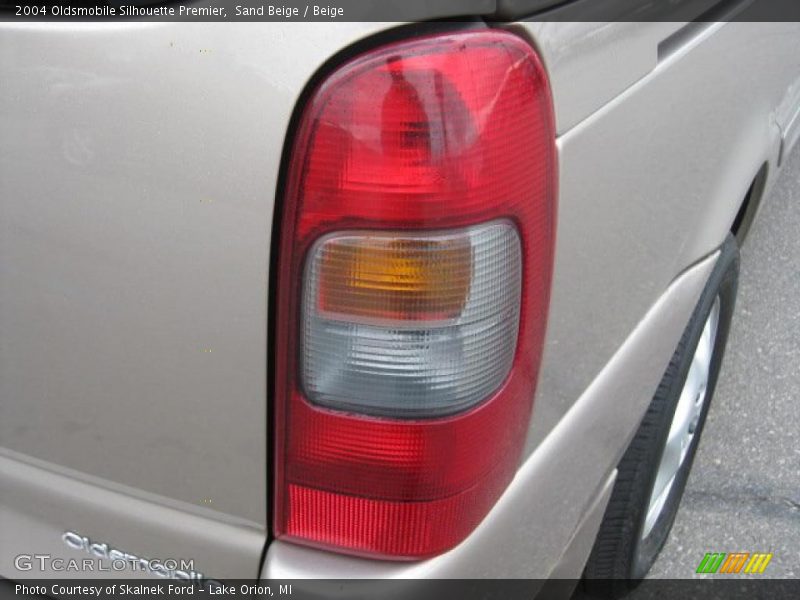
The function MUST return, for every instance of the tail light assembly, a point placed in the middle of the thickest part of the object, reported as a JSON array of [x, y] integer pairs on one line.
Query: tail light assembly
[[414, 276]]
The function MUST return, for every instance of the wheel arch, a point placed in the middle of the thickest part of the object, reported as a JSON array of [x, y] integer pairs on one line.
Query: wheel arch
[[750, 204]]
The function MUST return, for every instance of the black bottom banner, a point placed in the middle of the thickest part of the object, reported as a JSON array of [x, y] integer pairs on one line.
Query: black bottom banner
[[727, 588]]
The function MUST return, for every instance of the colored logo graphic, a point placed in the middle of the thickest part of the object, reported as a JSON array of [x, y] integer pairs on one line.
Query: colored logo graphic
[[735, 562]]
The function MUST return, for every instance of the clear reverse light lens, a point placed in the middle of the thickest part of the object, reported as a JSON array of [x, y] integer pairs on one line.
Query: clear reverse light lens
[[421, 341]]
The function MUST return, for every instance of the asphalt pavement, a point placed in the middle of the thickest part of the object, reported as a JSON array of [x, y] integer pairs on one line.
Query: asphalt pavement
[[743, 494]]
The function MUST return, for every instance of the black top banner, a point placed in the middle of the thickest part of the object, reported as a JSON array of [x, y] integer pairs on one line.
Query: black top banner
[[406, 10]]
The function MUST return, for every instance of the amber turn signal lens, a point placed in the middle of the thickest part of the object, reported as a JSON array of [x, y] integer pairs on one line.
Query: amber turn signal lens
[[398, 278]]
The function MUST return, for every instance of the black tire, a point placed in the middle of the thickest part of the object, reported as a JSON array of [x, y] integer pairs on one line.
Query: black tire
[[620, 557]]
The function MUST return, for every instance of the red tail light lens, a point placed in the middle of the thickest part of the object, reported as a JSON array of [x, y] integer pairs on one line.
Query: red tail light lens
[[415, 265]]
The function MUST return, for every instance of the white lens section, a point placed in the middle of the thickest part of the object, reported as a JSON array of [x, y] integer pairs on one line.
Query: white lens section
[[417, 368]]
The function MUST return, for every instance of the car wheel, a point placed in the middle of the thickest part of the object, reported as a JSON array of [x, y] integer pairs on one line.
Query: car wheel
[[653, 471]]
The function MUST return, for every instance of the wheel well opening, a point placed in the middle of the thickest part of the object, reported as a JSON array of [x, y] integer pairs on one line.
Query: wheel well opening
[[747, 211]]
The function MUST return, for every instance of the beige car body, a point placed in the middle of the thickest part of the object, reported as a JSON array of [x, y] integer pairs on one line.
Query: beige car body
[[138, 172]]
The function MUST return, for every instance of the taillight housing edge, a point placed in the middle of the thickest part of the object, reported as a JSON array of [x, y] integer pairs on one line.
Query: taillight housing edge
[[409, 487]]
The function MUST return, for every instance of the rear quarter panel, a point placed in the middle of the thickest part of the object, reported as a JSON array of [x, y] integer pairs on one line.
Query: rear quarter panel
[[138, 168], [656, 153]]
